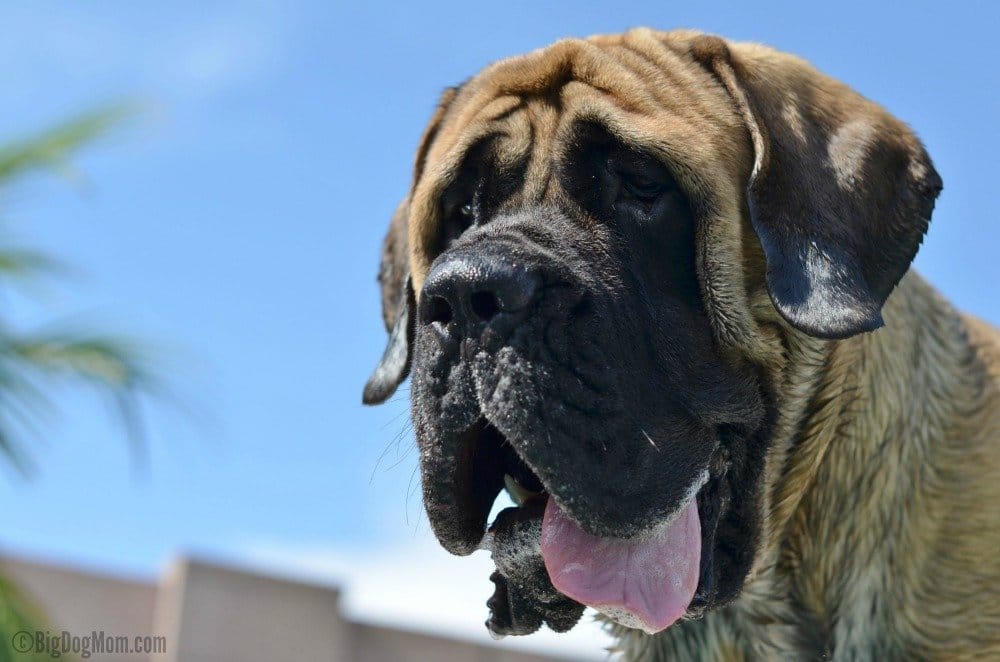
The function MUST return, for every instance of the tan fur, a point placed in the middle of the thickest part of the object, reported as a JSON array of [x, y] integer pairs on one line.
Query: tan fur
[[884, 526], [883, 478]]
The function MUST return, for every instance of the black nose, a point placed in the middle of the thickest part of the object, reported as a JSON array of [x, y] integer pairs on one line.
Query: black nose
[[465, 292]]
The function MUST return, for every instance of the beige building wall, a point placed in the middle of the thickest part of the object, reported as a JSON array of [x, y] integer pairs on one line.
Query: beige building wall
[[212, 613]]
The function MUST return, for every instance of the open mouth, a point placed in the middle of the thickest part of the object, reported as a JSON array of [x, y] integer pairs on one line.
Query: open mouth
[[646, 582]]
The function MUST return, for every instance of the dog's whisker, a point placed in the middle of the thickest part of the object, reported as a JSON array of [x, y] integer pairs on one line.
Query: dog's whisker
[[395, 418], [409, 495], [393, 444], [403, 457], [650, 440]]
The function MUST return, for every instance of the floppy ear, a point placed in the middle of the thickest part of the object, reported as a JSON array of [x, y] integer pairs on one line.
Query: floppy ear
[[398, 298], [840, 193], [395, 363]]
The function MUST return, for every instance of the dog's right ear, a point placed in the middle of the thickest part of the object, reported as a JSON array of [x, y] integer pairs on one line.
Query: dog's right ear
[[840, 193], [398, 297]]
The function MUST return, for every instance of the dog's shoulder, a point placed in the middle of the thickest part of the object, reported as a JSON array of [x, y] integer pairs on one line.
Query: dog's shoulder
[[985, 340]]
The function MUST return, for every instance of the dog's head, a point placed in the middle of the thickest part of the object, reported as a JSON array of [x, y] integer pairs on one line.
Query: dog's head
[[605, 244]]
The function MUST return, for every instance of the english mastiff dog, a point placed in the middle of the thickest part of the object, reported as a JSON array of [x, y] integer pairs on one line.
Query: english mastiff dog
[[655, 285]]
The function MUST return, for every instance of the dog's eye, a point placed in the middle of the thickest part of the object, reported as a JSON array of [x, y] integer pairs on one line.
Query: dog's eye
[[457, 219], [641, 187], [467, 214]]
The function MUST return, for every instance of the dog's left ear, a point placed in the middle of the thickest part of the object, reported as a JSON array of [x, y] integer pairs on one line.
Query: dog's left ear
[[395, 363], [398, 298], [398, 309], [840, 194]]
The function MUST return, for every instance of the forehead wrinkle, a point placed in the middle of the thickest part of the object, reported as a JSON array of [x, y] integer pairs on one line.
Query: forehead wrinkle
[[688, 94], [546, 71], [460, 124], [670, 101], [642, 85], [701, 173], [677, 142], [502, 118], [544, 118], [638, 71], [701, 92], [509, 131], [516, 134]]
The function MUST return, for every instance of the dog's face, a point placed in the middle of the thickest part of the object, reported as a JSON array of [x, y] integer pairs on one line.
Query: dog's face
[[591, 278]]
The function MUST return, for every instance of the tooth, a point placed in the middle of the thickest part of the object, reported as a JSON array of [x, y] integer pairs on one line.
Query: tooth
[[517, 492]]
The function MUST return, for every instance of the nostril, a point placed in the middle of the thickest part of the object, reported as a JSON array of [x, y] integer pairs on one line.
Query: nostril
[[440, 310], [485, 305]]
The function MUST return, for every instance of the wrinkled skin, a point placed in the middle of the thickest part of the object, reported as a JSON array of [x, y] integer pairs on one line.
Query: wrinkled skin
[[607, 391]]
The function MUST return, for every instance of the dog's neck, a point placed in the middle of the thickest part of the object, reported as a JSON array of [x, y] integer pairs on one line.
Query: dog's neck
[[890, 430], [871, 437]]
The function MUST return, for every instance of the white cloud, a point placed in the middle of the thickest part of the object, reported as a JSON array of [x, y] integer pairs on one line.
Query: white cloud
[[418, 586]]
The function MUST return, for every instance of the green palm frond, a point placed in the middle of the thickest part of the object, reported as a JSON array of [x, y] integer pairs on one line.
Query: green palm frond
[[25, 263], [32, 361], [24, 268], [102, 360], [51, 149], [18, 613], [112, 366]]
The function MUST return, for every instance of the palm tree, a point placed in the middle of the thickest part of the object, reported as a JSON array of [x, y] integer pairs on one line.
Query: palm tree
[[31, 360]]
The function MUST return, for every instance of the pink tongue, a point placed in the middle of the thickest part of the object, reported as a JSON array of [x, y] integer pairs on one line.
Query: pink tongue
[[643, 583]]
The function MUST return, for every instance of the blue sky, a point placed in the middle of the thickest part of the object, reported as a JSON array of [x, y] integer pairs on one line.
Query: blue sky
[[236, 226]]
